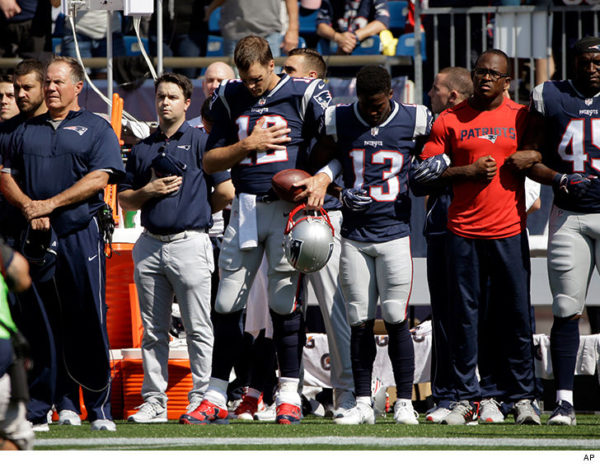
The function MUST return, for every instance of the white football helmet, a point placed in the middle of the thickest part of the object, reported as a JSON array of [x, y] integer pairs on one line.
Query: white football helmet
[[308, 242]]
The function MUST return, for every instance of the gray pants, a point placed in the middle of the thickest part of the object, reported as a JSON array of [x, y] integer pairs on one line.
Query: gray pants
[[163, 270]]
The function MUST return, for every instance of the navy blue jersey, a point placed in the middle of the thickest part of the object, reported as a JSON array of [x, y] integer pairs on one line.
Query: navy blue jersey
[[297, 102], [351, 15], [377, 159], [573, 133], [46, 161], [187, 208]]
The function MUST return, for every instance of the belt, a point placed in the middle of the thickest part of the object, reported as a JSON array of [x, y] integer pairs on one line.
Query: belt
[[176, 236], [268, 197]]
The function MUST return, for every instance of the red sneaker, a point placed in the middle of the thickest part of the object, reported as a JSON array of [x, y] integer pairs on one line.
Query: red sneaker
[[288, 414], [247, 409], [206, 414]]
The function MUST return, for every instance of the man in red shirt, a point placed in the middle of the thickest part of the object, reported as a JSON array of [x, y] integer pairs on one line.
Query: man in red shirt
[[487, 246]]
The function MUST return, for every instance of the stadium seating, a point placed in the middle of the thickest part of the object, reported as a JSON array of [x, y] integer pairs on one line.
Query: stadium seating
[[56, 45], [308, 24], [214, 46], [213, 22], [406, 45], [398, 12], [132, 47]]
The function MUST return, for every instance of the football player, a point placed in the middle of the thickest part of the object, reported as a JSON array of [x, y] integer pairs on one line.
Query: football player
[[567, 113], [372, 141], [261, 123]]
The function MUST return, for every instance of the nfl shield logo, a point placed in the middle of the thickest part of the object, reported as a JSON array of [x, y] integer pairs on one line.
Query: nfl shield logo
[[262, 101], [589, 101], [375, 131]]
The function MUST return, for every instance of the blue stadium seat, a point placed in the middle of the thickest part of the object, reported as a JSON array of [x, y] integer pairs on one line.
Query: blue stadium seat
[[370, 46], [132, 48], [406, 45], [308, 24], [214, 46], [213, 22], [398, 12], [56, 45]]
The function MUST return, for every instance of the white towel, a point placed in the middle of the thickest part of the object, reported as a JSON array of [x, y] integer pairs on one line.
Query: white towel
[[248, 232]]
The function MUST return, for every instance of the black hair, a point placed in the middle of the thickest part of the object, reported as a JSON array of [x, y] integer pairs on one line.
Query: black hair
[[373, 79], [180, 80]]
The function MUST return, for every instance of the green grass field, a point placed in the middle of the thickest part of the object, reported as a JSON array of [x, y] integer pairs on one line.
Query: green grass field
[[321, 434]]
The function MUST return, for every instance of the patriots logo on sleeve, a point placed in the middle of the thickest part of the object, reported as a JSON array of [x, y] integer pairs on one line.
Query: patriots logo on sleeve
[[323, 98], [490, 138], [80, 130]]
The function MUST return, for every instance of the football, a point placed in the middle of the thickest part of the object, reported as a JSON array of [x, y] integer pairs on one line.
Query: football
[[282, 183]]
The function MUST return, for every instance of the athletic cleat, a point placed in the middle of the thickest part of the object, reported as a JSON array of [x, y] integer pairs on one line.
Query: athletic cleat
[[288, 414], [360, 414], [205, 414], [437, 414], [462, 413], [193, 405], [69, 417], [489, 411], [527, 413], [405, 414], [103, 424], [563, 414], [247, 408], [149, 412], [40, 427]]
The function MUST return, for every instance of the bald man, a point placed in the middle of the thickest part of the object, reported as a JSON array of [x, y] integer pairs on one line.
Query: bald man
[[214, 74]]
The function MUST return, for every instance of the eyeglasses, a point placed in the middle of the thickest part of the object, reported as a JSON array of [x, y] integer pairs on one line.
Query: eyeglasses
[[495, 75]]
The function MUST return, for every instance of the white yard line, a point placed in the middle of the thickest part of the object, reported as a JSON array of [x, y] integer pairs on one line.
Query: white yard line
[[157, 443]]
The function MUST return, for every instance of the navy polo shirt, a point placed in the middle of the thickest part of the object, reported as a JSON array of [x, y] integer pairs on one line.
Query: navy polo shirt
[[46, 161], [189, 207]]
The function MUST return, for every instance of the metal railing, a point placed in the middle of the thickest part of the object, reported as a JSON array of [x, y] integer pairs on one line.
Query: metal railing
[[469, 23]]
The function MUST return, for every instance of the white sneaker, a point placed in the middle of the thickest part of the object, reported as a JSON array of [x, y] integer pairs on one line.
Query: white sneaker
[[437, 414], [267, 414], [360, 414], [103, 424], [69, 417], [149, 412], [489, 411], [344, 401], [404, 413], [40, 427]]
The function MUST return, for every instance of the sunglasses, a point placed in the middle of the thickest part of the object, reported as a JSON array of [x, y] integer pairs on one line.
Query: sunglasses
[[495, 75]]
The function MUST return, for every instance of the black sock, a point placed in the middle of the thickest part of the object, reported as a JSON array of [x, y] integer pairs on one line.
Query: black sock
[[564, 343], [228, 344], [363, 352], [402, 356], [289, 338]]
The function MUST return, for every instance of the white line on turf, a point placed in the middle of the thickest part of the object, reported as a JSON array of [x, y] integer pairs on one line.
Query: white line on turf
[[129, 443]]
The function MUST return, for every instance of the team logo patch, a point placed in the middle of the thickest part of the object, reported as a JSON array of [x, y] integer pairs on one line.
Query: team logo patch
[[326, 362], [185, 147], [590, 100], [262, 101], [490, 138], [295, 248], [323, 99], [595, 47], [375, 131], [80, 130]]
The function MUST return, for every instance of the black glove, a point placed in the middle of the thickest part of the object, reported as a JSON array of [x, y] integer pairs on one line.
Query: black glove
[[574, 185], [355, 199]]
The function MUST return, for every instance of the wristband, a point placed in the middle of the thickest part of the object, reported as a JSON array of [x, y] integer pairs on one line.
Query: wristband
[[332, 169], [356, 37]]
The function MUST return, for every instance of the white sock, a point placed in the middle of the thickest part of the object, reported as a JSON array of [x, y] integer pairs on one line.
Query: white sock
[[406, 401], [251, 392], [288, 391], [366, 400], [217, 392], [564, 395]]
